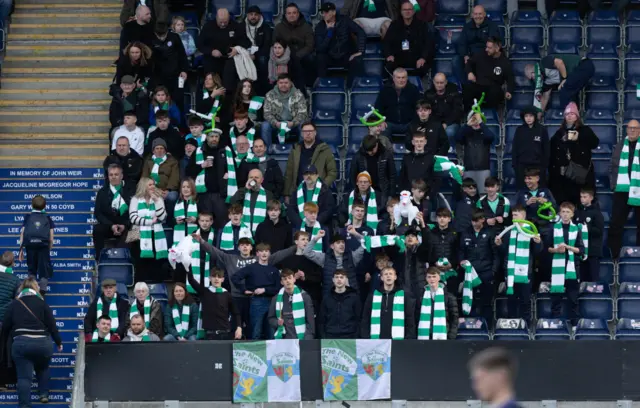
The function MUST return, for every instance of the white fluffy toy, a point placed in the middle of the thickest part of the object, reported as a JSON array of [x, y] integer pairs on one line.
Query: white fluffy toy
[[181, 253], [405, 208]]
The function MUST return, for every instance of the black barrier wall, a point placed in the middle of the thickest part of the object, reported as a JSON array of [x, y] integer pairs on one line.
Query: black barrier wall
[[420, 370]]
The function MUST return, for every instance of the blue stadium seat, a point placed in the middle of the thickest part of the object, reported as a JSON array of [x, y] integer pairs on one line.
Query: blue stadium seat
[[158, 291], [511, 329], [526, 17], [234, 7], [524, 51], [332, 135], [565, 17], [360, 104], [543, 303], [518, 65], [552, 329], [493, 5], [629, 301], [595, 301], [329, 84], [449, 20], [606, 202], [444, 66], [444, 49], [629, 265], [120, 272], [602, 83], [553, 117], [373, 68], [602, 101], [628, 329], [373, 49], [497, 18], [513, 117], [601, 167], [308, 8], [415, 80], [601, 116], [449, 35], [633, 16], [121, 290], [329, 102], [632, 35], [356, 136], [281, 150], [520, 100], [631, 74], [565, 34], [592, 329], [473, 329], [604, 17], [326, 117], [527, 35], [366, 84], [603, 34], [563, 48], [508, 176], [455, 7], [269, 8]]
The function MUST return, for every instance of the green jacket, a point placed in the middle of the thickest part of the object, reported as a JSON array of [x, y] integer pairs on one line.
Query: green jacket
[[170, 326], [323, 160], [273, 107]]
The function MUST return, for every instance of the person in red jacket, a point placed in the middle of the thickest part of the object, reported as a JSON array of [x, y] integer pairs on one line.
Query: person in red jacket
[[102, 333]]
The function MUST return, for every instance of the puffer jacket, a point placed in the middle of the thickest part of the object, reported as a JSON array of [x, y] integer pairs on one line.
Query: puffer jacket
[[298, 35], [451, 309], [9, 284], [339, 315], [443, 244], [477, 145], [274, 106]]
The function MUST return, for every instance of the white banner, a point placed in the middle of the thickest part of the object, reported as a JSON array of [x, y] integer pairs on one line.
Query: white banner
[[283, 360], [374, 369]]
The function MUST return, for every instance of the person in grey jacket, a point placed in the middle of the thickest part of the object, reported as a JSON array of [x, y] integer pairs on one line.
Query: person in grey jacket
[[285, 317]]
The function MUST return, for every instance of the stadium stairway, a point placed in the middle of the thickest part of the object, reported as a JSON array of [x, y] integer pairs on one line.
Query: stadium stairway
[[54, 99]]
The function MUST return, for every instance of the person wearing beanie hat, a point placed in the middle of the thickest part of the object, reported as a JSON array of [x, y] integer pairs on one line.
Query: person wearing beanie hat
[[163, 168], [190, 146], [260, 36], [364, 194], [530, 147], [570, 166]]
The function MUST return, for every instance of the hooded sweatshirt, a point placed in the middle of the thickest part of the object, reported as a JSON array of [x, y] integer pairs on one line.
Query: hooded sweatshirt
[[530, 143]]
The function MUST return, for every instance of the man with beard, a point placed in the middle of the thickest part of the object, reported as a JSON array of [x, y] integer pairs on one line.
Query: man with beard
[[260, 35]]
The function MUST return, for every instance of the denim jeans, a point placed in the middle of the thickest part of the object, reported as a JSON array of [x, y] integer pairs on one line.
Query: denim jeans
[[31, 354], [270, 135], [170, 337], [451, 131], [258, 309]]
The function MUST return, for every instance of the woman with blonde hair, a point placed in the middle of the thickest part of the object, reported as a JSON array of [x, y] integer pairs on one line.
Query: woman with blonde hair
[[31, 324], [136, 62], [148, 308]]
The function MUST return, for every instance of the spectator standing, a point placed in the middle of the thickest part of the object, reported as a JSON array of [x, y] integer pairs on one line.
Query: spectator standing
[[284, 110], [417, 164], [443, 249], [334, 46], [170, 63], [138, 29], [138, 332], [107, 304], [125, 98], [273, 178], [340, 313], [9, 283], [589, 214], [477, 139], [167, 132], [309, 152], [186, 211], [530, 149], [410, 262], [148, 308], [280, 63], [366, 195], [178, 26], [31, 324], [464, 207], [473, 40], [158, 10], [374, 158], [496, 207], [446, 105], [397, 102], [533, 195], [311, 190], [36, 239], [621, 176], [487, 72], [129, 160], [112, 211], [276, 229], [253, 198], [190, 147], [437, 142], [135, 62], [435, 304], [298, 34], [260, 35], [374, 17], [409, 43], [163, 169], [181, 315], [291, 313], [131, 131], [570, 165]]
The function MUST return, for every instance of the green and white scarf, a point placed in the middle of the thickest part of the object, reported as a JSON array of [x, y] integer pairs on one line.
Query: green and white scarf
[[259, 211], [626, 184], [379, 241], [118, 203], [537, 93], [232, 183], [201, 335], [95, 337], [113, 312], [300, 196], [6, 269], [443, 164], [416, 6], [216, 104], [471, 280], [450, 272], [196, 268], [181, 230], [28, 292], [372, 209], [563, 266], [314, 233], [517, 260], [201, 186], [251, 134], [147, 310], [397, 324], [297, 309], [282, 132], [226, 239], [439, 329], [255, 104], [181, 320], [158, 106], [506, 208], [151, 232], [157, 162], [584, 234], [370, 5]]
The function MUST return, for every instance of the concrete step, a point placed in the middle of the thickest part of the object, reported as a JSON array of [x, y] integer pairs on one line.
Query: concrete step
[[29, 83], [44, 151], [76, 71], [51, 94], [62, 144], [86, 16], [18, 162], [84, 116], [62, 51], [46, 104], [65, 36], [68, 7], [55, 127], [116, 3], [62, 28], [41, 137], [57, 62]]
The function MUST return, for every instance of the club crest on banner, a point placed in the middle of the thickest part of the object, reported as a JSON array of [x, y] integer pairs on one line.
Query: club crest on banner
[[375, 364], [284, 366]]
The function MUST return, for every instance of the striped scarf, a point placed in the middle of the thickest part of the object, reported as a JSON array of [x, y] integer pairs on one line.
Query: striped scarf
[[626, 184], [442, 164], [201, 186], [584, 234], [297, 309], [250, 136], [181, 320], [232, 183], [282, 132], [518, 260], [259, 210], [471, 280], [214, 108], [537, 93], [180, 230], [113, 312], [314, 233], [379, 241], [397, 324], [28, 292], [372, 209], [300, 195], [95, 337], [151, 232], [118, 203], [439, 329], [157, 162], [6, 269], [563, 266], [255, 104], [226, 240], [196, 268], [201, 335], [147, 310]]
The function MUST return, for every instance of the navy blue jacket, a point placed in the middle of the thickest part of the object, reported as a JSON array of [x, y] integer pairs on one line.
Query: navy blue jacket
[[464, 208], [398, 108], [255, 276], [592, 216], [532, 210], [474, 38], [481, 251], [339, 316], [336, 41]]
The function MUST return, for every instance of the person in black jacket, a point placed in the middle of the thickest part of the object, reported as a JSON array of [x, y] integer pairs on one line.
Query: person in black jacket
[[437, 142], [111, 210], [31, 324], [409, 264], [446, 105], [275, 230], [487, 72], [397, 103], [409, 43], [333, 43], [477, 247], [417, 164], [477, 139], [464, 207], [340, 313], [260, 36], [443, 249], [588, 213], [496, 207], [9, 282], [139, 29], [452, 313], [119, 316], [136, 62], [170, 62], [374, 158], [273, 178], [530, 148], [129, 160], [168, 133], [217, 41], [126, 98]]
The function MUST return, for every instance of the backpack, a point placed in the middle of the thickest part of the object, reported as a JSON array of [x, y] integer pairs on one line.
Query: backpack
[[36, 231]]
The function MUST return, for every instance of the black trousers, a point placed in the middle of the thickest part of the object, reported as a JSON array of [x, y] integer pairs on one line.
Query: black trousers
[[218, 335], [483, 301], [590, 269], [519, 304], [571, 290], [494, 96], [101, 233], [619, 212]]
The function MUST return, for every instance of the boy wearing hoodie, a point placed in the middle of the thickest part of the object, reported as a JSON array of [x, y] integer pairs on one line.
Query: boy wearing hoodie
[[437, 142], [168, 133], [465, 206], [340, 313], [476, 138], [530, 148], [589, 214]]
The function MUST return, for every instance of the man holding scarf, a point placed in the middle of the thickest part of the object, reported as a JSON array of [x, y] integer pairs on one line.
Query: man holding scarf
[[165, 171], [625, 180], [107, 304], [112, 210], [253, 198]]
